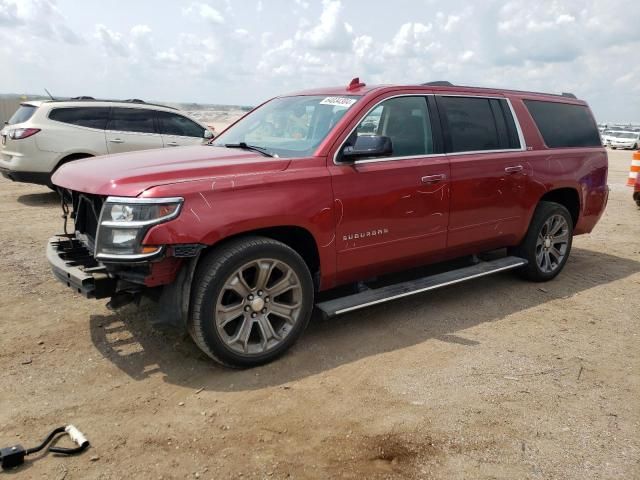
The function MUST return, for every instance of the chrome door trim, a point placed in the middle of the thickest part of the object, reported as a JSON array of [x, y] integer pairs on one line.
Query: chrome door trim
[[523, 145]]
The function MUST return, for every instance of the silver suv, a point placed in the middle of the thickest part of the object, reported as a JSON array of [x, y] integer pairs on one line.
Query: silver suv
[[43, 135]]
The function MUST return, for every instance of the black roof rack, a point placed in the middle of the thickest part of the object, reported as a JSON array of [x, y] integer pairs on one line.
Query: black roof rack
[[445, 83], [86, 98]]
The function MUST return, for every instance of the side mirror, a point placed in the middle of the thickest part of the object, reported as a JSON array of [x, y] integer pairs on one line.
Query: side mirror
[[208, 134], [368, 146]]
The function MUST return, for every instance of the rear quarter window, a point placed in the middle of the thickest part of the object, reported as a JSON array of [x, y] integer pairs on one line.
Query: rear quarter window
[[92, 117], [564, 125], [24, 113]]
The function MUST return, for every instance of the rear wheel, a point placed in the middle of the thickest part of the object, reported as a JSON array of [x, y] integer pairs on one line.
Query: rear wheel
[[548, 242], [252, 300]]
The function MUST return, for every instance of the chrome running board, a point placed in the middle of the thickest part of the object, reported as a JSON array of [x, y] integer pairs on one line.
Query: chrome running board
[[367, 298]]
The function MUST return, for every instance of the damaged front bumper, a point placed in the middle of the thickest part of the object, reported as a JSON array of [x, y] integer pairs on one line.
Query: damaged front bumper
[[73, 264]]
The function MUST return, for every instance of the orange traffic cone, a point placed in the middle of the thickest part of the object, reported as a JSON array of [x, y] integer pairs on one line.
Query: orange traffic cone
[[635, 168]]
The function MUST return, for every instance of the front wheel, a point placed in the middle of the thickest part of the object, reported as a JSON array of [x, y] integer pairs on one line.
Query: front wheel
[[548, 242], [252, 299]]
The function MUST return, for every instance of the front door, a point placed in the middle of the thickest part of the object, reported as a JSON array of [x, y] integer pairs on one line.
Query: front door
[[132, 129], [391, 212], [178, 131]]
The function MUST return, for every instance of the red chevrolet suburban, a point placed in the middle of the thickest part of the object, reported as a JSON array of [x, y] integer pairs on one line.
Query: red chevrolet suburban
[[329, 187]]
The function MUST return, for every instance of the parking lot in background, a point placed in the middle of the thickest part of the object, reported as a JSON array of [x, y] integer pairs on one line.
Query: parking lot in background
[[496, 378]]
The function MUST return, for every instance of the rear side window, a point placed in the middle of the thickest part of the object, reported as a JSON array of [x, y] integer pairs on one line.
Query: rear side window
[[172, 124], [92, 117], [131, 120], [564, 125], [24, 113], [478, 124]]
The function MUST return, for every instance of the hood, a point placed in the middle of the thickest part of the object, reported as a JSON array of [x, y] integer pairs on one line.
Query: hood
[[130, 174]]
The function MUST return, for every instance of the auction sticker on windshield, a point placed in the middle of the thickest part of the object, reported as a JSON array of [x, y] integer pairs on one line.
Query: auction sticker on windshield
[[338, 101]]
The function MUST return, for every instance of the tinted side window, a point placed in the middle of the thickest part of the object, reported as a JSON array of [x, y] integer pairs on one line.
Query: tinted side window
[[564, 124], [403, 119], [472, 125], [131, 120], [92, 117], [172, 124]]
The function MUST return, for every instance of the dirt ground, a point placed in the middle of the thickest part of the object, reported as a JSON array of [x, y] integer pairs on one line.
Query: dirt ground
[[497, 378]]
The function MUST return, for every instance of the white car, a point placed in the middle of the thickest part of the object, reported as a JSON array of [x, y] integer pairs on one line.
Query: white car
[[43, 135], [625, 140], [609, 135]]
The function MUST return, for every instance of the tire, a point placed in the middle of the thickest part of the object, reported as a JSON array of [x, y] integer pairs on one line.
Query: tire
[[545, 263], [226, 284]]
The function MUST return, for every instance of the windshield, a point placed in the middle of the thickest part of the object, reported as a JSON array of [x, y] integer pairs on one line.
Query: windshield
[[23, 114], [628, 135], [288, 126]]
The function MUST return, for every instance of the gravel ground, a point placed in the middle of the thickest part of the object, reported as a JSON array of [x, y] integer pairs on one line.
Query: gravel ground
[[492, 379]]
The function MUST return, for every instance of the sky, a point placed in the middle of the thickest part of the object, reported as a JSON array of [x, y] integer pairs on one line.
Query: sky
[[246, 51]]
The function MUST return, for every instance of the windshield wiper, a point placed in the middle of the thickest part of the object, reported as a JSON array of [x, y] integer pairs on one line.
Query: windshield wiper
[[245, 146]]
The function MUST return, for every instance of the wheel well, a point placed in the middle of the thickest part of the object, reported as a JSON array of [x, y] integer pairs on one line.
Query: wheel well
[[298, 238], [73, 156], [568, 197]]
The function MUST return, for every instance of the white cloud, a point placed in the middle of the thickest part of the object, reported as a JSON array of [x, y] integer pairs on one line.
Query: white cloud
[[205, 50], [111, 41], [332, 32], [205, 12], [26, 17], [140, 30], [412, 39], [9, 13]]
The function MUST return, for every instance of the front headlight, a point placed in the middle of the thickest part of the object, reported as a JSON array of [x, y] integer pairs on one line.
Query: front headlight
[[125, 221]]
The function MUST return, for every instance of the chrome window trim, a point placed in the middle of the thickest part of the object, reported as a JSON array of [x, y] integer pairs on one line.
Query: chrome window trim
[[522, 148], [390, 159]]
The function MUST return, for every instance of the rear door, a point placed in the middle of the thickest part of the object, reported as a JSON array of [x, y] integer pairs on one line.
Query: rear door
[[488, 172], [132, 129], [178, 130]]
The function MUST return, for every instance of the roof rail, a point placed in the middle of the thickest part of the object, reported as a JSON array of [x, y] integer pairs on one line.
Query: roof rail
[[92, 99], [439, 83], [445, 83]]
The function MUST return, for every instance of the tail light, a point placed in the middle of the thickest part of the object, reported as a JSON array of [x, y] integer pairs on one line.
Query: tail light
[[20, 133]]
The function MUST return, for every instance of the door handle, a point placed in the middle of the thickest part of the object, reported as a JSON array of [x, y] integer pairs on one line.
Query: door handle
[[514, 169], [172, 144], [116, 140], [434, 178]]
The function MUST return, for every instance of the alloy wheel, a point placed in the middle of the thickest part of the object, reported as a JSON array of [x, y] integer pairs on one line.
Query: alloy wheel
[[552, 243], [258, 306]]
